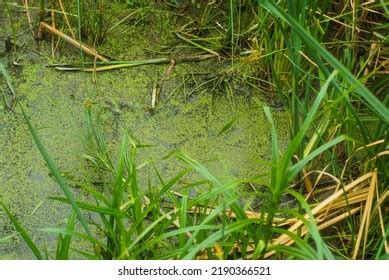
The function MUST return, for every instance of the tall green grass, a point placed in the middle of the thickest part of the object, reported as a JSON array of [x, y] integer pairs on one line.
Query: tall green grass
[[164, 221]]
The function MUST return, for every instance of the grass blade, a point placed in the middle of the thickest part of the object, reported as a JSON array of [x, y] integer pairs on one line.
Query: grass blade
[[374, 103], [7, 78], [56, 173], [23, 233], [63, 252], [212, 239]]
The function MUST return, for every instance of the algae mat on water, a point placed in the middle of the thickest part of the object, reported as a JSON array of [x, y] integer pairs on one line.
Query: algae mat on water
[[228, 133], [200, 126]]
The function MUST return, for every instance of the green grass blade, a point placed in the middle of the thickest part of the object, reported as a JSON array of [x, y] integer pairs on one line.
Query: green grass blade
[[183, 219], [290, 252], [216, 182], [63, 253], [227, 126], [275, 157], [304, 248], [90, 207], [144, 233], [323, 251], [74, 234], [196, 44], [295, 169], [56, 173], [8, 79], [218, 211], [174, 233], [374, 103], [213, 238], [23, 233], [294, 145]]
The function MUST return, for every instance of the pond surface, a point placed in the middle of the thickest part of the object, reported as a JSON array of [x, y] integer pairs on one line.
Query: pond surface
[[227, 132]]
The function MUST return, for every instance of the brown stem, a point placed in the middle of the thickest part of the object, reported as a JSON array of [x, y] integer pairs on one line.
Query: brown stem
[[87, 49]]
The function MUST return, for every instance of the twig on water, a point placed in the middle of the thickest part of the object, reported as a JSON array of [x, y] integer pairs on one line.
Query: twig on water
[[158, 86], [111, 65]]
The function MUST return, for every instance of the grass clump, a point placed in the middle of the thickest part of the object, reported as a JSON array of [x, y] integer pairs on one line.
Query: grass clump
[[156, 222]]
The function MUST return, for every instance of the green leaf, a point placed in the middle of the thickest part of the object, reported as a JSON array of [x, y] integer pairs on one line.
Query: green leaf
[[57, 174], [22, 232], [213, 238], [8, 79], [63, 252]]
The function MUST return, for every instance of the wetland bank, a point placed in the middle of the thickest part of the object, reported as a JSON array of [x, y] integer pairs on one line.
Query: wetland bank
[[150, 150]]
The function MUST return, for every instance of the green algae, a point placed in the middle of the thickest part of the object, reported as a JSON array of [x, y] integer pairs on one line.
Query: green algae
[[55, 103]]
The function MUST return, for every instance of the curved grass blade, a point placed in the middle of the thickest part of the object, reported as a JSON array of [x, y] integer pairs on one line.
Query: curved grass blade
[[94, 208], [227, 126], [74, 234], [294, 145], [8, 79], [323, 251], [86, 255], [304, 250], [212, 239], [295, 169], [23, 232], [291, 251], [216, 182], [54, 170], [144, 233], [175, 233], [210, 217]]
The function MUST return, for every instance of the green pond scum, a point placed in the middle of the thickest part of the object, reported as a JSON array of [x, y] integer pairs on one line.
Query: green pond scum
[[186, 118]]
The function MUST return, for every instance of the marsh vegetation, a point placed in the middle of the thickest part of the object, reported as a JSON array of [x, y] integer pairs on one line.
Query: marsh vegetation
[[177, 129]]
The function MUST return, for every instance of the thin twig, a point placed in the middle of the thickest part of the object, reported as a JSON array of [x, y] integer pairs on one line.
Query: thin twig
[[158, 86], [87, 49], [111, 65], [25, 3], [52, 37], [66, 19]]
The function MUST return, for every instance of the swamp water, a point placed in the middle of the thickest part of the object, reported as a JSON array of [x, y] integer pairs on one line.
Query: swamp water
[[228, 133]]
